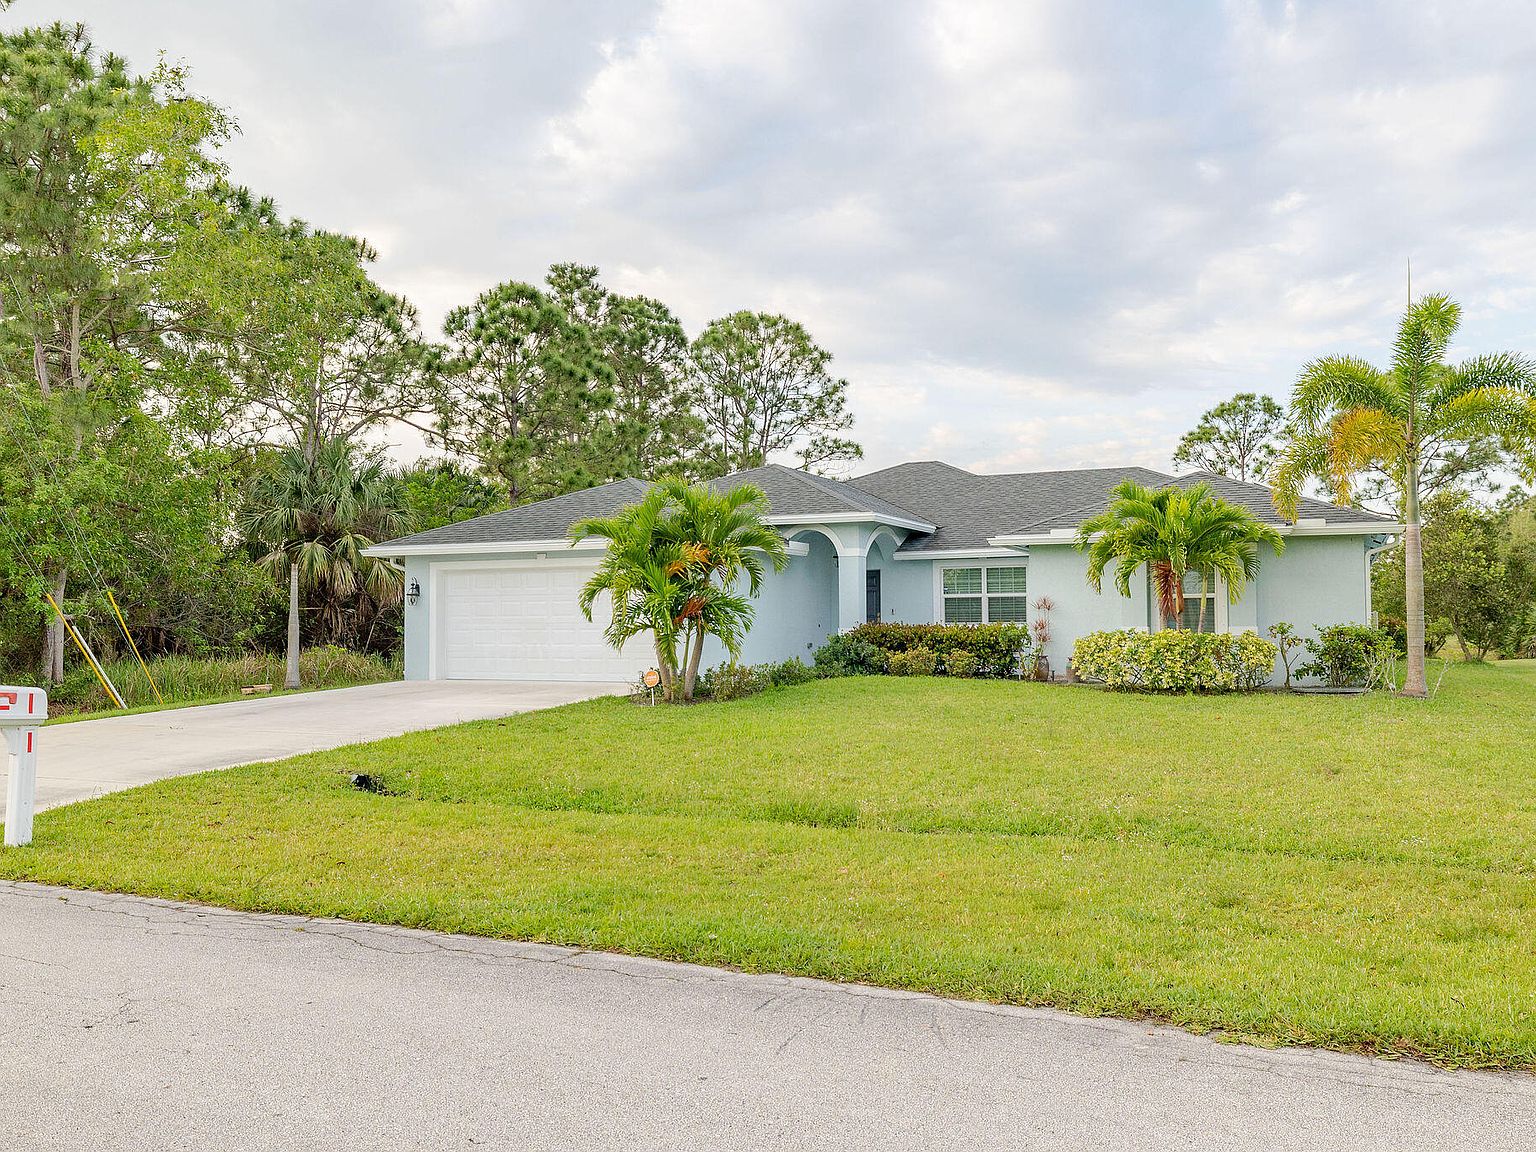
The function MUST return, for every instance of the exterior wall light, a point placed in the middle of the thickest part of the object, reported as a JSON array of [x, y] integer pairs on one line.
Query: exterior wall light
[[413, 593]]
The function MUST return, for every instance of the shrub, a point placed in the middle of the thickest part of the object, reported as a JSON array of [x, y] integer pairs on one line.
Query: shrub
[[965, 665], [788, 672], [995, 646], [915, 662], [847, 655], [731, 681], [1350, 656], [1175, 660]]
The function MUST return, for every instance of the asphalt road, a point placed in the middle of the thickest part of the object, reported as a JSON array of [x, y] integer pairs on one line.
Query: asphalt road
[[140, 1024], [92, 757]]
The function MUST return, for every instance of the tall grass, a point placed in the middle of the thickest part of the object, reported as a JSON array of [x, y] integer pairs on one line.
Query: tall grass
[[186, 678]]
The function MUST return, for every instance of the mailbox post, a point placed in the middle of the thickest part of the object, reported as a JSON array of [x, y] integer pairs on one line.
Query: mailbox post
[[22, 712]]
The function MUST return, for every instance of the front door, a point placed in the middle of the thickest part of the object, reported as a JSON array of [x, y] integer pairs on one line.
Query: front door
[[872, 596]]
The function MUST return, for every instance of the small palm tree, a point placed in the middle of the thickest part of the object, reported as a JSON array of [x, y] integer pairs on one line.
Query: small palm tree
[[640, 575], [1173, 531], [673, 567], [1349, 415], [315, 517], [724, 537]]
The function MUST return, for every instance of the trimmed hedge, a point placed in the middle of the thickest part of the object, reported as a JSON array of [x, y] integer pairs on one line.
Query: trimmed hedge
[[996, 647], [1175, 660], [915, 662]]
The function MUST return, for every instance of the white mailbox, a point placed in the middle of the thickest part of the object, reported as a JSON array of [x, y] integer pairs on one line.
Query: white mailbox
[[22, 712]]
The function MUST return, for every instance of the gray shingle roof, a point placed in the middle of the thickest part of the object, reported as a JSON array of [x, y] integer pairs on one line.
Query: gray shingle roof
[[545, 520], [967, 509], [789, 492], [970, 509], [1257, 498]]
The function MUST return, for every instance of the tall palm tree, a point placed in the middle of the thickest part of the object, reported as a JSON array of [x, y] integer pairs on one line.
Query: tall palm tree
[[674, 563], [1173, 531], [315, 517], [1349, 415]]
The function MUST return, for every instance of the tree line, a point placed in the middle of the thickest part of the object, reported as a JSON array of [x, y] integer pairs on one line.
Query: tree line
[[195, 385]]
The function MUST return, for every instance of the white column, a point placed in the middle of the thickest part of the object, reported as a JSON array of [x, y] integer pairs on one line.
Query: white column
[[850, 590]]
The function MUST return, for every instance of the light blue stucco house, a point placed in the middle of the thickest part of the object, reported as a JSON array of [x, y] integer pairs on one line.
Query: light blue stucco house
[[495, 597]]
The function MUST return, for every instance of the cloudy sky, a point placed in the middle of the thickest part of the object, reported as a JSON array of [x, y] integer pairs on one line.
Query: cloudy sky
[[1034, 234]]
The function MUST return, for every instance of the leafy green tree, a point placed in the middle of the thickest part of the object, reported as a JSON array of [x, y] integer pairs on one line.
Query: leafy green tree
[[1477, 577], [763, 387], [94, 487], [1172, 531], [1238, 438], [295, 343], [1350, 415], [101, 173], [438, 492], [652, 429], [520, 391], [673, 568], [314, 516]]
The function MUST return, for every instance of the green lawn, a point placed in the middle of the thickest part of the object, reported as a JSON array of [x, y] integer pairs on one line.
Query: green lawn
[[1353, 872]]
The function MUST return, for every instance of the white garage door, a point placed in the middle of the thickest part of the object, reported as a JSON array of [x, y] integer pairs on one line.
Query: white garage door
[[523, 623]]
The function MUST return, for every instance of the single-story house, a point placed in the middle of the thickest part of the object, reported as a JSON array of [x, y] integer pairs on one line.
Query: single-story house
[[494, 598]]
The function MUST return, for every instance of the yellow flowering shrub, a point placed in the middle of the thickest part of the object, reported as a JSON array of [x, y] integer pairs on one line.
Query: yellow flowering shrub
[[1175, 661]]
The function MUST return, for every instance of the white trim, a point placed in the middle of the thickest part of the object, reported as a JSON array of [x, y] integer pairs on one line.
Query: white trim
[[488, 547], [832, 538], [1315, 527], [562, 546], [886, 531], [1323, 528], [855, 518], [960, 554]]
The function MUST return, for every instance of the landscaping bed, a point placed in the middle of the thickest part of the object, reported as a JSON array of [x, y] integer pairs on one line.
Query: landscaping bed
[[1354, 872]]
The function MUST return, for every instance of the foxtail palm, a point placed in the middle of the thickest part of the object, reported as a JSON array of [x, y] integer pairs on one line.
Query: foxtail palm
[[1349, 415], [315, 518], [725, 538], [1172, 531], [673, 567], [640, 574]]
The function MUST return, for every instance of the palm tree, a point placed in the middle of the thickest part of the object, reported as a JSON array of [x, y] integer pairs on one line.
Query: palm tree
[[1173, 531], [1349, 415], [315, 517], [673, 566], [723, 535], [640, 575]]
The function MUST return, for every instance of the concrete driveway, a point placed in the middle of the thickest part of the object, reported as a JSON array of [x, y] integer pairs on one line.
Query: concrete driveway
[[78, 761], [133, 1024]]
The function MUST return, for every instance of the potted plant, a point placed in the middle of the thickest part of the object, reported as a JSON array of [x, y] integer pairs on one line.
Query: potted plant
[[1040, 636]]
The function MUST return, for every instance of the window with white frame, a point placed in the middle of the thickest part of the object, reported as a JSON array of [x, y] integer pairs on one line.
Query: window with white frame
[[984, 595], [1203, 609]]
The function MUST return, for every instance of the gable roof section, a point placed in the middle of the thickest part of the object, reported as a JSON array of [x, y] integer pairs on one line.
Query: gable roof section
[[803, 495], [971, 509]]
